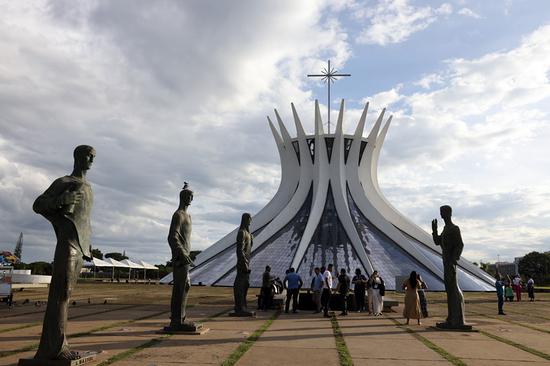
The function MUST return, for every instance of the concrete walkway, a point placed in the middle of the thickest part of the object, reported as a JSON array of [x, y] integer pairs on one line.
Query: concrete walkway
[[294, 339], [225, 335], [520, 338], [114, 340], [377, 340]]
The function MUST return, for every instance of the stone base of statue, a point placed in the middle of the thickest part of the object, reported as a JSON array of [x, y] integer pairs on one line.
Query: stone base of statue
[[83, 358], [454, 327], [185, 328], [243, 314]]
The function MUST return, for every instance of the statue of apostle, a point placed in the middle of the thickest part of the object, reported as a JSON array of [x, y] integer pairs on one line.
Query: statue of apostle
[[242, 279], [179, 239], [67, 204], [451, 244]]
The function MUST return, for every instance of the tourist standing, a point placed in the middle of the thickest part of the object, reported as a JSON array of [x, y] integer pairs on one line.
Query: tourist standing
[[369, 294], [343, 289], [293, 283], [508, 292], [266, 292], [327, 290], [378, 289], [517, 287], [359, 285], [422, 296], [317, 288], [531, 288], [499, 286], [412, 300]]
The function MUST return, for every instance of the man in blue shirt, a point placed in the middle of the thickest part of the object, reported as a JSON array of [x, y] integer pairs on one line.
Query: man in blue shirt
[[499, 285], [293, 283]]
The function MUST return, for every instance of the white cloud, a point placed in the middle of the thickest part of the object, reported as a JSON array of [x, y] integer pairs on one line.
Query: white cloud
[[385, 99], [480, 141], [428, 80], [467, 12], [165, 92], [394, 21]]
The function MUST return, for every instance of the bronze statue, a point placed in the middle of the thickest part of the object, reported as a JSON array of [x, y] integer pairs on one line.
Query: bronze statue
[[242, 279], [67, 204], [451, 244], [179, 238]]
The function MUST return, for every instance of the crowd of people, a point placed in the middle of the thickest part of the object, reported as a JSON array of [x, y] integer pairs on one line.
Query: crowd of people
[[507, 288], [372, 288]]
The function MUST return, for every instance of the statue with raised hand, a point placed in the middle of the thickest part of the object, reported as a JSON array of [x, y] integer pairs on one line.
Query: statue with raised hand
[[67, 204], [242, 279], [451, 245], [179, 239]]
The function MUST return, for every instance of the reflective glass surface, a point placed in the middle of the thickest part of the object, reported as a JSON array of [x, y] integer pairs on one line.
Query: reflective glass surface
[[387, 257], [329, 244], [466, 281], [277, 252], [209, 271]]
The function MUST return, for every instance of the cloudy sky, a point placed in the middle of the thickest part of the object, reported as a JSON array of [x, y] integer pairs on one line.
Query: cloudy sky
[[168, 91]]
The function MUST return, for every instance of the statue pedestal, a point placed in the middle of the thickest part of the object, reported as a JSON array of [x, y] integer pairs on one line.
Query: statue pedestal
[[192, 329], [243, 314], [456, 328], [85, 357]]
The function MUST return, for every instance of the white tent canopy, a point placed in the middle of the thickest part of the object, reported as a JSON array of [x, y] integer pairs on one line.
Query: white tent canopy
[[131, 264], [95, 262], [126, 263], [114, 263], [146, 265]]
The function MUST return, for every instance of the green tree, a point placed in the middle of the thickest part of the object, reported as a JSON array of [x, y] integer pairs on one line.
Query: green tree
[[96, 253], [116, 256], [536, 265], [40, 268], [487, 268]]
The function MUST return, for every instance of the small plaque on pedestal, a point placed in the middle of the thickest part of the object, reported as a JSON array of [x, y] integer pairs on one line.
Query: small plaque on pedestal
[[243, 314], [454, 328], [187, 328], [84, 357]]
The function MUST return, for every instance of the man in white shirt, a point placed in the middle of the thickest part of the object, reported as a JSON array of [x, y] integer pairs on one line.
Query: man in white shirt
[[327, 290]]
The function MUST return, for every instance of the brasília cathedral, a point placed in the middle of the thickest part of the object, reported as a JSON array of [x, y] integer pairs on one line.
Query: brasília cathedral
[[329, 209]]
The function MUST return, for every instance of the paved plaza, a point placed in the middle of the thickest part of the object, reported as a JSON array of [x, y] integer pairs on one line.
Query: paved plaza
[[124, 329]]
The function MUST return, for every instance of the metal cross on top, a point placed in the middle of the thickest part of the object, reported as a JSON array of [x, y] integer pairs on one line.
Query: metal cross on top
[[328, 75]]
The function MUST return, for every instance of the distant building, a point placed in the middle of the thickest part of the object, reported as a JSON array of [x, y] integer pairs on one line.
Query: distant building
[[505, 268]]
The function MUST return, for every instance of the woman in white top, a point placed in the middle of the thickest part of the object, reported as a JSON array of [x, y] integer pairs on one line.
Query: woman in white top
[[531, 288], [377, 287]]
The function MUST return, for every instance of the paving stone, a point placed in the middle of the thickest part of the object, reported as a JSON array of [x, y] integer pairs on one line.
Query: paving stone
[[296, 339]]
